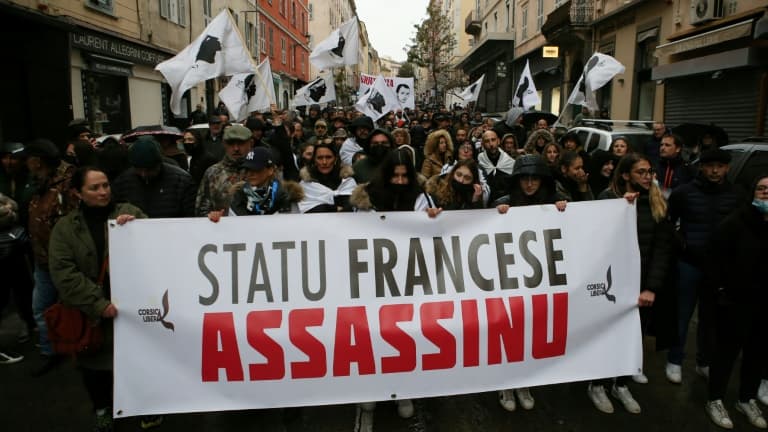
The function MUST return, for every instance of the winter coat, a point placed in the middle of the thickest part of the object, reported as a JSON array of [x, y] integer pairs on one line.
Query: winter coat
[[201, 160], [497, 175], [734, 272], [700, 206], [361, 200], [170, 194], [433, 161], [51, 201], [281, 145], [321, 198], [215, 191], [569, 190], [530, 144], [453, 201], [75, 269], [672, 173], [286, 199]]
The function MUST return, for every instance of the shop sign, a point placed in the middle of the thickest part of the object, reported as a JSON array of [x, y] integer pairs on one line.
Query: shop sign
[[550, 52], [116, 48]]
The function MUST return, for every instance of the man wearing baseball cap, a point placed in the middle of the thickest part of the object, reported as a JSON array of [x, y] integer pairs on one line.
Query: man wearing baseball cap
[[215, 191]]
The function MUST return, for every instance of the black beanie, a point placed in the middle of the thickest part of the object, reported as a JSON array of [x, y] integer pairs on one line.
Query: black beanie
[[145, 153]]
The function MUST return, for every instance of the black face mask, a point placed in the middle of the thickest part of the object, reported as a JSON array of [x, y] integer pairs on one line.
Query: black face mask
[[462, 189], [70, 159], [378, 153], [189, 148], [399, 189]]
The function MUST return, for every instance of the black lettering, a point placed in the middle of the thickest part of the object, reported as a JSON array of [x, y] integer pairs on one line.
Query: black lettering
[[535, 279], [504, 260], [356, 267], [283, 248], [416, 258], [553, 256], [207, 301], [383, 269], [443, 261], [259, 265], [309, 295], [234, 248], [474, 270]]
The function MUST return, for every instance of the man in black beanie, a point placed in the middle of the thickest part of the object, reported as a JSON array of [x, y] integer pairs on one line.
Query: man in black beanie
[[159, 189]]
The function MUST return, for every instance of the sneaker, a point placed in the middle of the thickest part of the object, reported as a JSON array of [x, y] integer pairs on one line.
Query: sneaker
[[404, 408], [702, 371], [525, 398], [674, 373], [718, 414], [622, 393], [599, 398], [507, 400], [10, 357], [148, 422], [103, 421], [640, 378], [753, 413], [762, 392]]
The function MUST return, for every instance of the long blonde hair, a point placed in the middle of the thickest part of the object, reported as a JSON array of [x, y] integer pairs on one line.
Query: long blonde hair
[[619, 185]]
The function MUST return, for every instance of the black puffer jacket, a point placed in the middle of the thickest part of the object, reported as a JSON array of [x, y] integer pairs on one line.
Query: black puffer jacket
[[655, 241], [169, 195], [700, 206]]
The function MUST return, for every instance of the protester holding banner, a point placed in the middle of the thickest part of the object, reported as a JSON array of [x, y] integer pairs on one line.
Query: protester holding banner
[[735, 287], [437, 152], [326, 182], [633, 179], [78, 250], [459, 188]]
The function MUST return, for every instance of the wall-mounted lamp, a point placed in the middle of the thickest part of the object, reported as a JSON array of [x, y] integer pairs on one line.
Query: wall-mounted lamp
[[717, 75], [659, 82]]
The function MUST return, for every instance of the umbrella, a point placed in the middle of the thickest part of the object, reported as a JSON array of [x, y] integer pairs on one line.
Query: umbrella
[[531, 117], [155, 130], [692, 133]]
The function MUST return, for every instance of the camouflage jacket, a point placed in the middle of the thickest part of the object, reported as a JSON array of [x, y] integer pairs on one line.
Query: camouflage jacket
[[216, 188], [52, 200]]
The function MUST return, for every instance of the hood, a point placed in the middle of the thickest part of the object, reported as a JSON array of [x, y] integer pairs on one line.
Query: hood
[[434, 138], [510, 118], [363, 121], [360, 199]]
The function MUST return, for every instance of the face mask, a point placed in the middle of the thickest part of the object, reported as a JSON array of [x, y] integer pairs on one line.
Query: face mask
[[399, 188], [461, 188], [377, 153], [70, 159], [761, 205], [189, 148]]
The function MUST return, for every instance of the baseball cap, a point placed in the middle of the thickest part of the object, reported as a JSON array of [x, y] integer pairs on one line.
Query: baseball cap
[[145, 153], [258, 159], [237, 132], [42, 148]]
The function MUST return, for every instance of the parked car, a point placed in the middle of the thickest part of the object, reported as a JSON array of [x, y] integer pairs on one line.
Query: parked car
[[749, 158], [599, 134]]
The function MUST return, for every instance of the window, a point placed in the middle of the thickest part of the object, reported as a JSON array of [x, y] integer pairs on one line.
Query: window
[[730, 8], [524, 24], [293, 58], [310, 11], [207, 12], [540, 15], [106, 6], [271, 43], [495, 21], [248, 34], [293, 14], [263, 33], [282, 7], [175, 11], [283, 54]]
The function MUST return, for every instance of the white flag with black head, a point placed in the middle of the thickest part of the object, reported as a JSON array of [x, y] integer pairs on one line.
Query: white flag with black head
[[339, 49], [378, 100], [599, 70], [218, 51], [321, 89], [472, 92], [525, 94], [249, 92]]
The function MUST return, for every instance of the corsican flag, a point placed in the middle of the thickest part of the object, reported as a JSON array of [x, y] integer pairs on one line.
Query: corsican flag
[[378, 100], [218, 51], [321, 89], [339, 49], [525, 95], [249, 92], [600, 69], [472, 92]]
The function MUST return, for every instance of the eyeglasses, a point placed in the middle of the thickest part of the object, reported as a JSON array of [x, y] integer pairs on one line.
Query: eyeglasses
[[644, 172], [761, 188]]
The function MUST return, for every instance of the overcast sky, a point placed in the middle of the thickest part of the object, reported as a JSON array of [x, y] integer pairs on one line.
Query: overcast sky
[[390, 24]]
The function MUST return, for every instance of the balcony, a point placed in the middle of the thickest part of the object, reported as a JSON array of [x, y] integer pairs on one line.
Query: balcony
[[473, 25], [569, 22]]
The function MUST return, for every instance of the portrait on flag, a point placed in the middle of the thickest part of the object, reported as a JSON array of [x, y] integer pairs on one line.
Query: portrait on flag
[[402, 86]]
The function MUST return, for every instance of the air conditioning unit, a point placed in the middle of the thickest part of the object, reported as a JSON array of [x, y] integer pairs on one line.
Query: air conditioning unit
[[705, 10]]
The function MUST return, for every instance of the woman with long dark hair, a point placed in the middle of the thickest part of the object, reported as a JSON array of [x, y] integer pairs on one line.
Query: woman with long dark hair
[[459, 189], [79, 265], [326, 182], [633, 180]]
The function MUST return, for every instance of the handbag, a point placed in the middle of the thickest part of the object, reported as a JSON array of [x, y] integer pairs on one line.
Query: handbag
[[69, 329]]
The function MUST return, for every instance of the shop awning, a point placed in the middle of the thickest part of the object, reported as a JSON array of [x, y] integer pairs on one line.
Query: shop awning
[[714, 37], [742, 57], [486, 50]]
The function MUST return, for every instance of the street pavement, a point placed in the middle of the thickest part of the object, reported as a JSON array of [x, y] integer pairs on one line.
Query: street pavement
[[57, 401]]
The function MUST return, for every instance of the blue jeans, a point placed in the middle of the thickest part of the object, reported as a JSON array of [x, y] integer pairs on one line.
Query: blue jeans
[[688, 292], [43, 296]]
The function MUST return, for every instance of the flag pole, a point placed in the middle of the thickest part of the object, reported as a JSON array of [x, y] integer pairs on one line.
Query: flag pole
[[250, 57]]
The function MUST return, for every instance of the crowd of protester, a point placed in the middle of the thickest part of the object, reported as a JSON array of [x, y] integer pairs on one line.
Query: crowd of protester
[[702, 240]]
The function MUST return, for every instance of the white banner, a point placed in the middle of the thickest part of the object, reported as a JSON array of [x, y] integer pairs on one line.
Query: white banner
[[276, 311], [403, 88]]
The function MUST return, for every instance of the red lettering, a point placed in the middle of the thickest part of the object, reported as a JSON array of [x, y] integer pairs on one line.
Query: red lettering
[[220, 326], [298, 321], [505, 330], [542, 348], [389, 316], [255, 323], [352, 342], [471, 332], [445, 358]]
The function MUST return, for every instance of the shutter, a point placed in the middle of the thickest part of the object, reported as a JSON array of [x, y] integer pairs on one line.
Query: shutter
[[183, 12], [165, 6], [729, 101]]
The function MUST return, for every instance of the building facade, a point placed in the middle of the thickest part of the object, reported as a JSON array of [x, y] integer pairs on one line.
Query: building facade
[[325, 17]]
